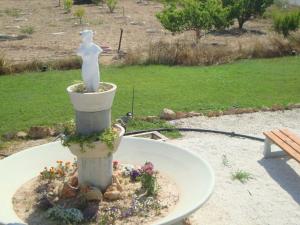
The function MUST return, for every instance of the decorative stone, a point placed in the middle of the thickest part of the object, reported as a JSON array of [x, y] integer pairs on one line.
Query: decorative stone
[[9, 136], [168, 114], [92, 194], [192, 114], [21, 134], [112, 193], [152, 31], [38, 132], [68, 191], [151, 118], [74, 180], [181, 115]]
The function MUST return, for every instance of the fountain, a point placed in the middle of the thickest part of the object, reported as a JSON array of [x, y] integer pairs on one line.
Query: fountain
[[95, 142], [93, 114]]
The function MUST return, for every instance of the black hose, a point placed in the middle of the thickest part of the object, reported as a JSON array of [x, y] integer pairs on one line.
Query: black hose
[[231, 134]]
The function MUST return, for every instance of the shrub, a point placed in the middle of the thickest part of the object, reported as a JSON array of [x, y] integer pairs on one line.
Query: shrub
[[68, 5], [79, 13], [96, 2], [12, 12], [7, 67], [242, 176], [187, 52], [243, 10], [65, 216], [194, 15], [111, 4], [281, 3], [27, 30], [285, 23]]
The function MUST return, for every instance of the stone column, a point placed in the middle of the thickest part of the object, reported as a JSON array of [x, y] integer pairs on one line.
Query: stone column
[[93, 114]]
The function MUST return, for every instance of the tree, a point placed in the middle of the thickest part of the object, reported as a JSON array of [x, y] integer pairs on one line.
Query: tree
[[197, 15], [244, 10], [79, 13]]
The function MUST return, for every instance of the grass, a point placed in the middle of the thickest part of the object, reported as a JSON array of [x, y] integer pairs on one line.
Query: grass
[[41, 98], [27, 30], [144, 125], [242, 176]]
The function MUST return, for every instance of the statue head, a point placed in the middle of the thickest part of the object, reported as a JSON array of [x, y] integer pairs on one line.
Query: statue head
[[87, 36]]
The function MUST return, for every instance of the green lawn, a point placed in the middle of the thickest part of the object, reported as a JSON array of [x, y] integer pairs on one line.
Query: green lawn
[[41, 98]]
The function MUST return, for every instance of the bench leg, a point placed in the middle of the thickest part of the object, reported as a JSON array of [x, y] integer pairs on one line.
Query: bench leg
[[268, 151]]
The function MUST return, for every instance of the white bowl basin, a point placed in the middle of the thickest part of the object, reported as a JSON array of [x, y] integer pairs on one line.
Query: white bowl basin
[[193, 175]]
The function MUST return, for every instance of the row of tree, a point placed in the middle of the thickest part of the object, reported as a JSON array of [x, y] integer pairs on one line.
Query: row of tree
[[205, 15]]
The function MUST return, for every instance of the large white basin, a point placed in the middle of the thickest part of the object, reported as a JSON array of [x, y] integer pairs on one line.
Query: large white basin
[[193, 175]]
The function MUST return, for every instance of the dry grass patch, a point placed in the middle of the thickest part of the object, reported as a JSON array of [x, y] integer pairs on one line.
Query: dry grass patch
[[190, 52]]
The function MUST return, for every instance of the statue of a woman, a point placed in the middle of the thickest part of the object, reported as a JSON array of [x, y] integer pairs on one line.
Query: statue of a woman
[[90, 65]]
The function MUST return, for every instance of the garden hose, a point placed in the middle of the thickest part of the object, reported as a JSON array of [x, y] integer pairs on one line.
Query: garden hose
[[231, 134]]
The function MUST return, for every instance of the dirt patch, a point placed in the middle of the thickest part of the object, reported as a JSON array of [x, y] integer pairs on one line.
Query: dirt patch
[[55, 34], [26, 197]]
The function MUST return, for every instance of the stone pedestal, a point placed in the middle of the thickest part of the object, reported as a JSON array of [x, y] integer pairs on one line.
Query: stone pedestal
[[95, 171], [91, 122], [93, 114]]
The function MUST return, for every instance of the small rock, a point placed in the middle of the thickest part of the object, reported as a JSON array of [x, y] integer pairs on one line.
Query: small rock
[[21, 135], [152, 31], [181, 115], [68, 191], [58, 33], [74, 181], [168, 114], [9, 136], [91, 211], [137, 23], [38, 132], [13, 27], [192, 114], [151, 118], [112, 193], [265, 109], [20, 19], [92, 194]]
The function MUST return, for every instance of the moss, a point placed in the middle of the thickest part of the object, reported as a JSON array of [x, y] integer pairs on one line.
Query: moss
[[108, 136]]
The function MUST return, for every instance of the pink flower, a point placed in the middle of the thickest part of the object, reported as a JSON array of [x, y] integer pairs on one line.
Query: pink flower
[[148, 168], [116, 164]]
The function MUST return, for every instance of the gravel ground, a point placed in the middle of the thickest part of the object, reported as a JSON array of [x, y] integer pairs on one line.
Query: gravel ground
[[272, 197]]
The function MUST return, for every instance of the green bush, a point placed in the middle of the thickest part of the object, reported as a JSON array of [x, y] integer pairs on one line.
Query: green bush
[[111, 4], [27, 30], [244, 10], [65, 216], [68, 5], [194, 15], [285, 23], [79, 13], [96, 2]]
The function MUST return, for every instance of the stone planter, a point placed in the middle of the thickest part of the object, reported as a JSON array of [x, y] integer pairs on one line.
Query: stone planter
[[94, 101], [98, 149]]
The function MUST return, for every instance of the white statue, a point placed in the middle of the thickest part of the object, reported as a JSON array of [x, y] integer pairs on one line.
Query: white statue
[[90, 65]]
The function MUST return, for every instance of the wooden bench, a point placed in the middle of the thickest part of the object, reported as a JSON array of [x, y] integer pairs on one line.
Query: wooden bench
[[286, 140]]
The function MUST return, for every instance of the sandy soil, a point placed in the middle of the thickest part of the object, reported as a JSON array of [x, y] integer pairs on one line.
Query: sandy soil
[[272, 197], [56, 34], [25, 200]]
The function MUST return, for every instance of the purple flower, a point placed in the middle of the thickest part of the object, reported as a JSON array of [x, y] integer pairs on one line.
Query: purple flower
[[134, 174]]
